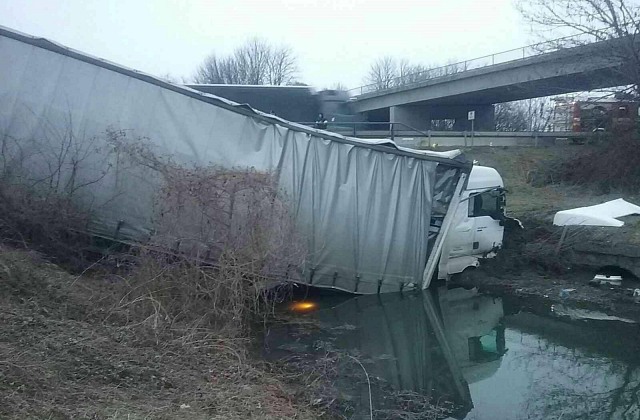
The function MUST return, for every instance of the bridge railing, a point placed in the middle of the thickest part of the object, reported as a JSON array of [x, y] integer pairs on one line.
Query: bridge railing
[[372, 129], [414, 79], [394, 130]]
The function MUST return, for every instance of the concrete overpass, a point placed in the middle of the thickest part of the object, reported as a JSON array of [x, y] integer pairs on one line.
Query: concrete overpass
[[580, 68]]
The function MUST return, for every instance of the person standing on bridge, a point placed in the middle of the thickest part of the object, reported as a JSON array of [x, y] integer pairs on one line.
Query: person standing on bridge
[[321, 122]]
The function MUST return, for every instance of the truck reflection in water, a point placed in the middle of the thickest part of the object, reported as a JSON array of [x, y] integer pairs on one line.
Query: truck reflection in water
[[474, 329], [430, 344], [498, 358]]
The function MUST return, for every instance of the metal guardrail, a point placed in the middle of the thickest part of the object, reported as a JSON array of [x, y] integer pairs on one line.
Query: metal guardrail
[[510, 134], [406, 81], [393, 129], [371, 129]]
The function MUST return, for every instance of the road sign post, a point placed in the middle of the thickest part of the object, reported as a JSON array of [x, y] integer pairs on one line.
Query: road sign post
[[471, 116]]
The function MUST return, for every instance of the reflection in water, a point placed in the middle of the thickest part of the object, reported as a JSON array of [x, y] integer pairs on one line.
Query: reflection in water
[[303, 307], [474, 330], [568, 370], [405, 336], [459, 345]]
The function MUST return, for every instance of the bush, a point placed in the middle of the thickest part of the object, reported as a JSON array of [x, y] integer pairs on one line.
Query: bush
[[611, 165], [178, 297], [39, 187], [221, 236]]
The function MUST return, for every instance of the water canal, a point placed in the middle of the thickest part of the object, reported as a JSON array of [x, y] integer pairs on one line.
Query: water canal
[[494, 357]]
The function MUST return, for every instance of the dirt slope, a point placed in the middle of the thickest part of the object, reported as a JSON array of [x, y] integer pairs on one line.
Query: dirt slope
[[62, 356]]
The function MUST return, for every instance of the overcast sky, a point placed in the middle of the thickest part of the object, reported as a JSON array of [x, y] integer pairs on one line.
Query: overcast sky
[[335, 40]]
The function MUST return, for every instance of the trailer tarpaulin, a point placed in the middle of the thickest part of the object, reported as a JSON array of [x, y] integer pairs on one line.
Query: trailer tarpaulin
[[363, 207]]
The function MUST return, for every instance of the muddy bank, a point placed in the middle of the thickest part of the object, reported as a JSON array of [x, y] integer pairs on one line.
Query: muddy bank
[[530, 267], [548, 290], [529, 264]]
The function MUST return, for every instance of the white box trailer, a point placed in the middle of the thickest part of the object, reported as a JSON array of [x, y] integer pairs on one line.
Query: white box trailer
[[372, 214]]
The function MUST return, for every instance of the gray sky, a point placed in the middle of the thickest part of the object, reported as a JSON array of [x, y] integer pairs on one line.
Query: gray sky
[[335, 40]]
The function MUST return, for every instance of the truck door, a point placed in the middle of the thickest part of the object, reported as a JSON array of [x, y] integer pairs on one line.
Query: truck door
[[486, 210], [460, 237]]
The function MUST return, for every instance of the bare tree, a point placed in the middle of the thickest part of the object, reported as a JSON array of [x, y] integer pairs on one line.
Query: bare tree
[[451, 67], [510, 117], [410, 73], [526, 115], [614, 21], [217, 70], [383, 73], [388, 72], [282, 66], [254, 63]]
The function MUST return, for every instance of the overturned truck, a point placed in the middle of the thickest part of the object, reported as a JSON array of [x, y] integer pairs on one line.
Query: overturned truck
[[372, 216]]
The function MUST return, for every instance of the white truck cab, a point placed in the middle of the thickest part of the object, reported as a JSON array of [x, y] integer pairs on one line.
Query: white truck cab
[[478, 225]]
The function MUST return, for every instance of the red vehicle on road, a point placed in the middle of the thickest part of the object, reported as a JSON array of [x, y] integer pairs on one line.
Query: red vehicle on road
[[601, 115]]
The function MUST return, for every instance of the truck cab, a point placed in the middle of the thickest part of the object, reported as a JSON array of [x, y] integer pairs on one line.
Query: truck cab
[[478, 226]]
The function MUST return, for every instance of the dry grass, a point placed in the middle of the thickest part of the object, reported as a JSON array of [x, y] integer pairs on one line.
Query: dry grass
[[80, 348], [518, 166], [164, 291], [544, 180]]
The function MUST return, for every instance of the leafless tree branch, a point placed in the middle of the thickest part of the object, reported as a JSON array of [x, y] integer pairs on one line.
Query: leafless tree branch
[[256, 62], [614, 21]]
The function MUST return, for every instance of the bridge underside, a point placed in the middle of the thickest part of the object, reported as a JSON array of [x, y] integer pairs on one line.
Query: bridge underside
[[451, 97], [558, 85], [451, 112]]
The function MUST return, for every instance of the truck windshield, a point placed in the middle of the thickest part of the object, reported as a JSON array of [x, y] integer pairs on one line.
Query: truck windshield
[[489, 203]]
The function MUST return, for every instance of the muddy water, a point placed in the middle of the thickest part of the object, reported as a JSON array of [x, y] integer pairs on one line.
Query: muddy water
[[496, 357]]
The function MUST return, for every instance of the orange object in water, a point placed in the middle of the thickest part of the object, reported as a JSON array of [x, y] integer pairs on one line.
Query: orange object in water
[[303, 306]]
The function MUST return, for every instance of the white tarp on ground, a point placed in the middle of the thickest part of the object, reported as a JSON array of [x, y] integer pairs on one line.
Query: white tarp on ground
[[364, 208], [604, 214]]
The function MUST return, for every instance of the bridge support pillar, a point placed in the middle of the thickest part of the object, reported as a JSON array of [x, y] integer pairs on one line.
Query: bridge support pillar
[[413, 116]]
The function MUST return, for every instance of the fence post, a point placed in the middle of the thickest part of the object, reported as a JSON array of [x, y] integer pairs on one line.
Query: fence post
[[391, 128], [354, 129]]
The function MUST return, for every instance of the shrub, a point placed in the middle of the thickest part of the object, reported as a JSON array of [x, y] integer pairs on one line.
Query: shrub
[[42, 181], [611, 165], [220, 236]]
